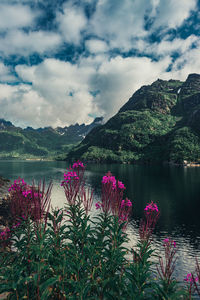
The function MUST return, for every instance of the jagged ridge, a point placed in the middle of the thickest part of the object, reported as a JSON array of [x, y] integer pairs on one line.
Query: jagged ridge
[[42, 142]]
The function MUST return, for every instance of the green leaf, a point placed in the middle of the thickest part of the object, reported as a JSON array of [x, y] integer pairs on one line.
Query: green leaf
[[44, 286]]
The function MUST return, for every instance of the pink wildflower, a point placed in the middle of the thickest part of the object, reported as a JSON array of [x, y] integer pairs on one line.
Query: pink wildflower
[[190, 278], [128, 203], [112, 198], [78, 164], [121, 185], [69, 176], [147, 226], [18, 185], [108, 178], [98, 205], [167, 243], [151, 207], [122, 203], [74, 186]]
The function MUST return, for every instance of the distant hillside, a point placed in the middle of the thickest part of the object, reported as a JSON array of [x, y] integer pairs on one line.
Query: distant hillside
[[160, 122], [42, 142]]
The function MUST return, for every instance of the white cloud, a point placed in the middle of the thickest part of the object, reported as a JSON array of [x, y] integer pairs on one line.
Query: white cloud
[[15, 16], [20, 42], [119, 21], [171, 14], [118, 78], [167, 47], [6, 74], [188, 63], [71, 22], [20, 103], [61, 92], [63, 89], [122, 23], [6, 92], [96, 46]]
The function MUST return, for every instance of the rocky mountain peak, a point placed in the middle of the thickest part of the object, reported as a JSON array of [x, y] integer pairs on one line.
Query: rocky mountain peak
[[5, 124], [190, 92], [160, 122], [193, 77], [160, 96]]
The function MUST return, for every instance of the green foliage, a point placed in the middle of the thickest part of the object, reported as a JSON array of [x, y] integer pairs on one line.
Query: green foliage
[[29, 144], [100, 154], [127, 137], [139, 273], [150, 127], [79, 258], [184, 145], [40, 143]]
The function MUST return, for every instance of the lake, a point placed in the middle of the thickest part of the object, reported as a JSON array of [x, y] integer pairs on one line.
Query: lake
[[176, 190]]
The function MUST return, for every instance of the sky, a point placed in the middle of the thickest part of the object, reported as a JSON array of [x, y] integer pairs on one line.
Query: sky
[[68, 61]]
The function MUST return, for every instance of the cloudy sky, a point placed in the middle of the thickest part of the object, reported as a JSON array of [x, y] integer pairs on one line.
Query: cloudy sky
[[68, 61]]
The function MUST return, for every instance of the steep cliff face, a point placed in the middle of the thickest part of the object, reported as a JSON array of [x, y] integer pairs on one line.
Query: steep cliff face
[[161, 96], [160, 122]]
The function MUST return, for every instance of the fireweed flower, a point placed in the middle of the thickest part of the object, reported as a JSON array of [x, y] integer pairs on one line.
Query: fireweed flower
[[166, 265], [79, 168], [112, 198], [78, 165], [121, 185], [74, 186], [190, 278], [147, 225], [98, 205], [109, 179], [151, 207], [29, 201], [125, 211], [69, 176], [168, 242], [18, 185], [4, 237], [128, 202], [122, 203]]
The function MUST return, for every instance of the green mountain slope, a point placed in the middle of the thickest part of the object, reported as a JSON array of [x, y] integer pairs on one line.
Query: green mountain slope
[[160, 122], [46, 142]]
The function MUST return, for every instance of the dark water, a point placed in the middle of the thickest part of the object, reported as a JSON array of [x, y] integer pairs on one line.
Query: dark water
[[176, 190]]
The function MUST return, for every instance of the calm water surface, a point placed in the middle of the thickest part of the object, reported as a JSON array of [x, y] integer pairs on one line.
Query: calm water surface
[[175, 189]]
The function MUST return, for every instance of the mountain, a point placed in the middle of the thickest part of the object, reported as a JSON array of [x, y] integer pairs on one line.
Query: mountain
[[42, 142], [159, 123]]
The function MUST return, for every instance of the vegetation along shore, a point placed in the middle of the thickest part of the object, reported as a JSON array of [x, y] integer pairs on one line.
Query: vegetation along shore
[[71, 254]]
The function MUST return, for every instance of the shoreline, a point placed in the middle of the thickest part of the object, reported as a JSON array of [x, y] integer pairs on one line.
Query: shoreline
[[185, 163]]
